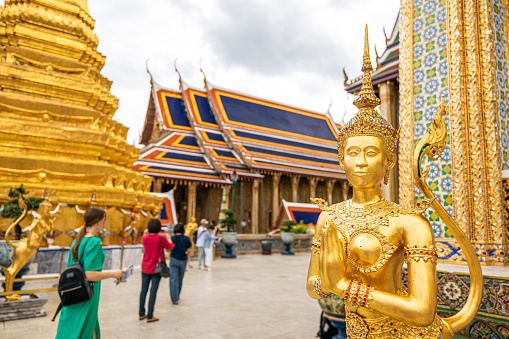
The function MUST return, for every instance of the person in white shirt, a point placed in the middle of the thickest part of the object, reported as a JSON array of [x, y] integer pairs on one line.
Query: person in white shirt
[[210, 237], [200, 242]]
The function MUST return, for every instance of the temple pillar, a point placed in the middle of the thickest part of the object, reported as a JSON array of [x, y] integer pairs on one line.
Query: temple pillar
[[295, 187], [330, 187], [158, 185], [344, 190], [255, 206], [276, 177], [471, 76], [312, 187], [191, 201], [389, 110]]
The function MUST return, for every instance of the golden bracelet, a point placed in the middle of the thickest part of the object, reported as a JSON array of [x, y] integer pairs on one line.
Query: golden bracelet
[[316, 245], [318, 288], [359, 294]]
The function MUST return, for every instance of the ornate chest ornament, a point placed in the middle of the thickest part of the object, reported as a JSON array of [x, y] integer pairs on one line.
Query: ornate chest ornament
[[354, 221]]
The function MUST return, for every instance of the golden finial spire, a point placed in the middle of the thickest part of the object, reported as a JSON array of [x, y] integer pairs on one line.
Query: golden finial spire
[[367, 98], [368, 121]]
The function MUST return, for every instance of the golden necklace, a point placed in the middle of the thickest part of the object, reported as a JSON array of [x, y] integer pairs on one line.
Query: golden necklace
[[355, 221]]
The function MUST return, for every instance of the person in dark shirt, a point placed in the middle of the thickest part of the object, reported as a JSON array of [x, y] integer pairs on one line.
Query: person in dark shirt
[[178, 261]]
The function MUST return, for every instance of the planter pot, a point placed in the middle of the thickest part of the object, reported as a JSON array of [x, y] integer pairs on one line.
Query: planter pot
[[287, 238], [229, 239], [266, 246]]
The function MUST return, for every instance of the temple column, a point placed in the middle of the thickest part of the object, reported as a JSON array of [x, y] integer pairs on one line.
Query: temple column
[[191, 201], [158, 185], [312, 187], [330, 187], [388, 110], [295, 187], [344, 190], [255, 206], [276, 177], [469, 173]]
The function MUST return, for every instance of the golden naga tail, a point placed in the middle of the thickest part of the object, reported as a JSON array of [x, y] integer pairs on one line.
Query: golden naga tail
[[432, 144], [21, 203]]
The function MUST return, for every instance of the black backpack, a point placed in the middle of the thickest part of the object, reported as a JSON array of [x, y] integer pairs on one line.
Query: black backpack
[[73, 286]]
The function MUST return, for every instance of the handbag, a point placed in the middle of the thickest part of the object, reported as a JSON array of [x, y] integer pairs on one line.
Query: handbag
[[161, 268]]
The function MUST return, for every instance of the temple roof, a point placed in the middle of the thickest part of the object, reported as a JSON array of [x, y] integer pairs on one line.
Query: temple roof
[[387, 64], [270, 136], [210, 133], [211, 139], [174, 153]]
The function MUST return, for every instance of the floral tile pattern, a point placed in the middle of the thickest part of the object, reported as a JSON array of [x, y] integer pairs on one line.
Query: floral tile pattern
[[430, 86], [492, 320], [502, 80]]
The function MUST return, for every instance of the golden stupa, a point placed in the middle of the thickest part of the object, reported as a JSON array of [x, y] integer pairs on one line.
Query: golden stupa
[[56, 110]]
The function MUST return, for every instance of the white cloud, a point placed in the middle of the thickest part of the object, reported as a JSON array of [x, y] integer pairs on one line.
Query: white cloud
[[288, 51]]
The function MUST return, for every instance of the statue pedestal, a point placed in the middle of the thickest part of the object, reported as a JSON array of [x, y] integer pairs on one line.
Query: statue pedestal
[[27, 307]]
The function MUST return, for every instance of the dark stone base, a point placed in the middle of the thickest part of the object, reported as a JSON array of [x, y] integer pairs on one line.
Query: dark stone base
[[229, 253], [25, 308], [287, 250]]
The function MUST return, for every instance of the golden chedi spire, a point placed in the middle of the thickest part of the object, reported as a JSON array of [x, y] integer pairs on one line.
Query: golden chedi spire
[[368, 121], [56, 112]]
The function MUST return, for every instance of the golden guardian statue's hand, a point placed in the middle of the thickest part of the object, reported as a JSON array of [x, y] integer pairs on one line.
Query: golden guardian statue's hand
[[333, 261]]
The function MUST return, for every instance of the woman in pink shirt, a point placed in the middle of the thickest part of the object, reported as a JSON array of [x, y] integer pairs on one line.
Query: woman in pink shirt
[[153, 247]]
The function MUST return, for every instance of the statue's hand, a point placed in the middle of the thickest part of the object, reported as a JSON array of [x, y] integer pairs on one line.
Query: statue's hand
[[332, 260]]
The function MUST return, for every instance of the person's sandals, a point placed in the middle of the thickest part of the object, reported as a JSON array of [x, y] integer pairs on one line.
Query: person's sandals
[[143, 317], [152, 319]]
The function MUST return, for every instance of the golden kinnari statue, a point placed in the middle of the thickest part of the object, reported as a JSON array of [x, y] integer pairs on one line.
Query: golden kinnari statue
[[361, 244], [190, 228], [25, 249]]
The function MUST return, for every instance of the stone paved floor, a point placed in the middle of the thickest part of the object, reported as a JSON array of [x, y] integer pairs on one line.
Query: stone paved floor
[[253, 296]]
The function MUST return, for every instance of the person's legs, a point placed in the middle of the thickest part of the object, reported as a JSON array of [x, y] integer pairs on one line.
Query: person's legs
[[200, 257], [208, 257], [154, 278], [182, 271], [174, 279], [145, 280]]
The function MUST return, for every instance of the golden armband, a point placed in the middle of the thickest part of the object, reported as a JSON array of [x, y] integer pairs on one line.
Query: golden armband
[[417, 253]]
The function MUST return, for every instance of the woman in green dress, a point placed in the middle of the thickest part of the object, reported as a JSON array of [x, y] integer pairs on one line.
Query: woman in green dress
[[80, 321]]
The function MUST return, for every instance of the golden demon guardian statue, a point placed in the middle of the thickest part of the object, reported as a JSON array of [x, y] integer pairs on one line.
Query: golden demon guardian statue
[[24, 250], [361, 244]]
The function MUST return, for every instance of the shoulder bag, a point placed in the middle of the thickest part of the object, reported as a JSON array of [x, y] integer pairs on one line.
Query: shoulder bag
[[161, 268]]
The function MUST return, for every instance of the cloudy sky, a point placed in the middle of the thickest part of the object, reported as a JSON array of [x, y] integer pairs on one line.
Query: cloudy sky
[[290, 51]]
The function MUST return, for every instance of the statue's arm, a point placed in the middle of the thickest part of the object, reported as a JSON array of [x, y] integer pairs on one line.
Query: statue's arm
[[419, 307], [314, 263]]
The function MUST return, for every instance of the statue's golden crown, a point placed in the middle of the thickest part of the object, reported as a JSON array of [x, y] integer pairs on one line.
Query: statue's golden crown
[[368, 121]]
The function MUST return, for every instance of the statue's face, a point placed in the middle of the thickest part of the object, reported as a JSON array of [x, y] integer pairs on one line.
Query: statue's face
[[365, 161], [44, 209]]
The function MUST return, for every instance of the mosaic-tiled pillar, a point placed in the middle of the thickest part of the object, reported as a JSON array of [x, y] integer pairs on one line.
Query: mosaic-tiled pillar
[[456, 50]]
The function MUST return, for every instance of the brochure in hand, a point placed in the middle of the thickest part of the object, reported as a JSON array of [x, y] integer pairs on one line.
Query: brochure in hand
[[128, 272]]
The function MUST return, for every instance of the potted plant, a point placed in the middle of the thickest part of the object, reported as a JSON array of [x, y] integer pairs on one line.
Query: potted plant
[[267, 245], [229, 238], [288, 236]]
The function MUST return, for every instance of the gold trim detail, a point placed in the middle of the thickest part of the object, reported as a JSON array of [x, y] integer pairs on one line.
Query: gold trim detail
[[406, 77]]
